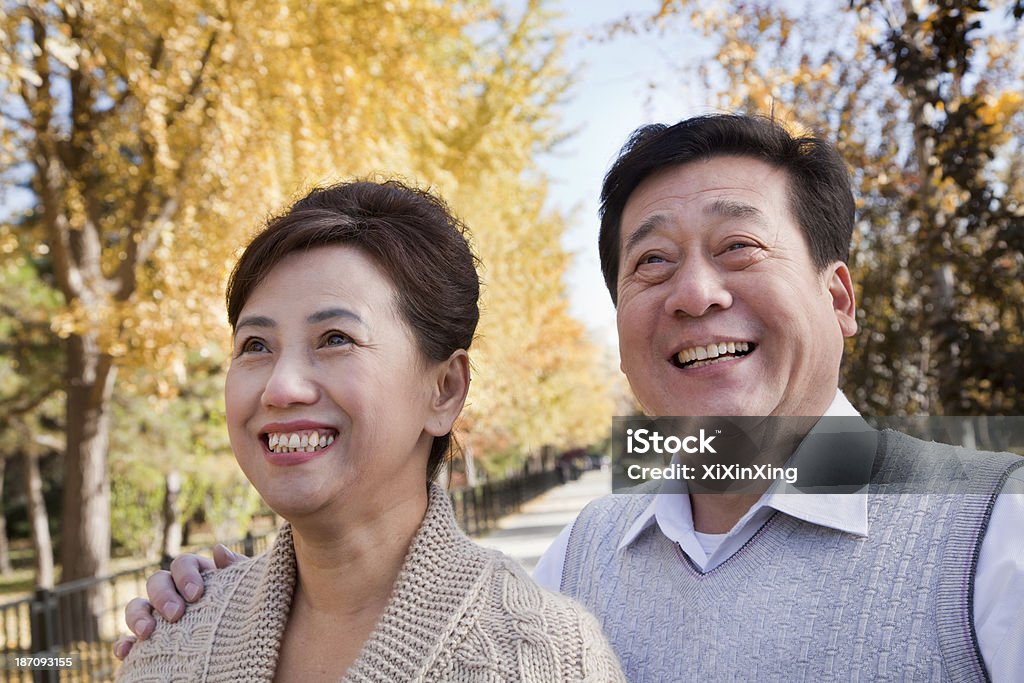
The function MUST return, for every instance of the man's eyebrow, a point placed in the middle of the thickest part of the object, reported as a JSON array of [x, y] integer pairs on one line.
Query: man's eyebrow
[[649, 225], [329, 313], [733, 209]]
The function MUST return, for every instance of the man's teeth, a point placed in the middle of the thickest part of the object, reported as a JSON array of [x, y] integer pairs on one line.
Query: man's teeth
[[710, 353], [292, 442]]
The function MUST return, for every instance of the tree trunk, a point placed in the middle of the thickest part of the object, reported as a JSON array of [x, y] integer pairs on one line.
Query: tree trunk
[[5, 550], [40, 522], [467, 454], [85, 523], [948, 374], [171, 546]]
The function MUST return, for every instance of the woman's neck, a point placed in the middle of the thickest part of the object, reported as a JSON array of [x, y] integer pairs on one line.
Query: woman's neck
[[349, 564]]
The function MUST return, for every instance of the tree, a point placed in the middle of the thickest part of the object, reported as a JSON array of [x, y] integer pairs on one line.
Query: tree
[[923, 101], [152, 136], [30, 384]]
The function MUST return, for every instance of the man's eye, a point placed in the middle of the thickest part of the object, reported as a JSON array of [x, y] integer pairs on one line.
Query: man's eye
[[735, 246], [651, 258]]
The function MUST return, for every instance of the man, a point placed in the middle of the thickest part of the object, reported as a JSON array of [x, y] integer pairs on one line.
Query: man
[[724, 243], [725, 229]]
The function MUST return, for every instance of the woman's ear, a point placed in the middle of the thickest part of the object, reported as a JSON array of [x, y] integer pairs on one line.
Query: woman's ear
[[450, 390]]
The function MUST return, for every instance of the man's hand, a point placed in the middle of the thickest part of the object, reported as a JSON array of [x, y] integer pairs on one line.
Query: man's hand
[[168, 592]]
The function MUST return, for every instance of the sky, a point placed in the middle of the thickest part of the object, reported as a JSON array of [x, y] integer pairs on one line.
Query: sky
[[612, 94]]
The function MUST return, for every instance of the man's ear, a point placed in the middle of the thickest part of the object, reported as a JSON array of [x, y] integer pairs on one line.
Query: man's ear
[[840, 287], [449, 394]]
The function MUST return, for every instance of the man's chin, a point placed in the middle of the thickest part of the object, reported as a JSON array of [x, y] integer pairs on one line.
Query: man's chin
[[717, 408]]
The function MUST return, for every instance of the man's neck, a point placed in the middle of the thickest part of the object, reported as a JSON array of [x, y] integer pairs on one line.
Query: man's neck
[[717, 513]]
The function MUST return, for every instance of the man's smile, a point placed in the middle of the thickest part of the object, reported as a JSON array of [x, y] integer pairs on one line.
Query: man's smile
[[709, 354]]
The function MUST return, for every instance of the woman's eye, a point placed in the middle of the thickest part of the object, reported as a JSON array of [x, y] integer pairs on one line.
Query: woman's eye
[[253, 345], [336, 339], [735, 246]]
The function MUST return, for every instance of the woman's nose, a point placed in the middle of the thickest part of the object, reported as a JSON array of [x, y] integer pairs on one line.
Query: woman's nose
[[292, 382]]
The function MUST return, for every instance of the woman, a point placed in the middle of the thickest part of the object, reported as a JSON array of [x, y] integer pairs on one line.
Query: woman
[[351, 316]]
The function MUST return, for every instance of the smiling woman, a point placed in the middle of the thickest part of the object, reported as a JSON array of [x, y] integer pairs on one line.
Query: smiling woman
[[352, 314]]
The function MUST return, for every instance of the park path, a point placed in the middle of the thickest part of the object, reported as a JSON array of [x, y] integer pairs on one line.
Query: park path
[[526, 534]]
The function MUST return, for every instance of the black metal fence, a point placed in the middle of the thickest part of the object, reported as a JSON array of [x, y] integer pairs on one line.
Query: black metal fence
[[83, 618], [79, 619], [478, 508]]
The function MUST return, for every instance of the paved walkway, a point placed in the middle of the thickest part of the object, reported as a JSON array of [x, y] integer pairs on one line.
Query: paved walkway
[[527, 534]]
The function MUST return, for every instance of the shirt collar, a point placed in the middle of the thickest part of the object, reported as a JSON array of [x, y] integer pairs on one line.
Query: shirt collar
[[846, 512]]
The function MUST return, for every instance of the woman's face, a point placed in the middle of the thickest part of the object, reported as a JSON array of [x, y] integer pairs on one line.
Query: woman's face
[[328, 397]]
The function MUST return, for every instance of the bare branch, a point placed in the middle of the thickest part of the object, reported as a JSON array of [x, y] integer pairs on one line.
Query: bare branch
[[145, 235], [49, 441], [149, 242], [14, 407], [14, 118], [197, 80], [13, 313], [48, 169]]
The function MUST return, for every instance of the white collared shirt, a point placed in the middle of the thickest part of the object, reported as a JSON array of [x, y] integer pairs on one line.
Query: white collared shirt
[[998, 580]]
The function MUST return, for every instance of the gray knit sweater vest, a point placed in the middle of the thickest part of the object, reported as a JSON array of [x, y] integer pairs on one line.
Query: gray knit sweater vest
[[801, 602]]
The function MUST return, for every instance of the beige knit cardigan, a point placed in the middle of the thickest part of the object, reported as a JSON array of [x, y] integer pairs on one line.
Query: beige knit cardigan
[[458, 612]]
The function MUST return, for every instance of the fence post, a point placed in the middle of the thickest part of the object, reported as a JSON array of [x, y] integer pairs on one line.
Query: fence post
[[43, 624], [249, 544]]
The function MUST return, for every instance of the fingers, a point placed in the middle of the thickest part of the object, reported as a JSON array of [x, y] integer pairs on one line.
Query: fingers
[[224, 557], [123, 646], [187, 580], [165, 591], [164, 598], [139, 617]]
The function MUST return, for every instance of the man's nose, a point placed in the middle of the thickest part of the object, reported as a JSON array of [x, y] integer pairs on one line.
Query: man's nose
[[292, 382], [697, 288]]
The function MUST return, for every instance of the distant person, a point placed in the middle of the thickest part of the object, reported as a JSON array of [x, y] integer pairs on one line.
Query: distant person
[[724, 242], [351, 315]]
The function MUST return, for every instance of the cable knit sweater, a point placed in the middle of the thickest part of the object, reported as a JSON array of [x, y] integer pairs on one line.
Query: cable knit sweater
[[458, 612]]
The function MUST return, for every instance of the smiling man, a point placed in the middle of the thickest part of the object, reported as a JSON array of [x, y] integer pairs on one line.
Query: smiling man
[[724, 243]]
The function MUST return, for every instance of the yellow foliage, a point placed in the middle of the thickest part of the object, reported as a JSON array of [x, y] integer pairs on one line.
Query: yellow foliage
[[999, 110], [194, 119]]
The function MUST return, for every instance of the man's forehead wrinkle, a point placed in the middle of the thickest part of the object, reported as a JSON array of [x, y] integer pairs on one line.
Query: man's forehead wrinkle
[[731, 208]]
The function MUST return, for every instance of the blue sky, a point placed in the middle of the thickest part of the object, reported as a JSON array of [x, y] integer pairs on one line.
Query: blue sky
[[612, 95]]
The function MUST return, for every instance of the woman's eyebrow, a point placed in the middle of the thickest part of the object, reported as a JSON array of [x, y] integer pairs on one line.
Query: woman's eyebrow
[[255, 321], [329, 313], [318, 317]]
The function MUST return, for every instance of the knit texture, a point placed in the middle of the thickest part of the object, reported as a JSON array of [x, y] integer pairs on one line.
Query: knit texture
[[799, 601], [458, 612]]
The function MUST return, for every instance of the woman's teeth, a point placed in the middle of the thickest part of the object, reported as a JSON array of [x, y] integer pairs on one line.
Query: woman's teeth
[[294, 442]]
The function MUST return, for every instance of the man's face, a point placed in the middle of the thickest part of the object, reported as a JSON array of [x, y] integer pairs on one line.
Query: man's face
[[720, 308]]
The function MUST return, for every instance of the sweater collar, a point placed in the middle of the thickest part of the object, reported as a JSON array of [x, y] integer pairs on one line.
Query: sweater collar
[[440, 575], [438, 578]]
